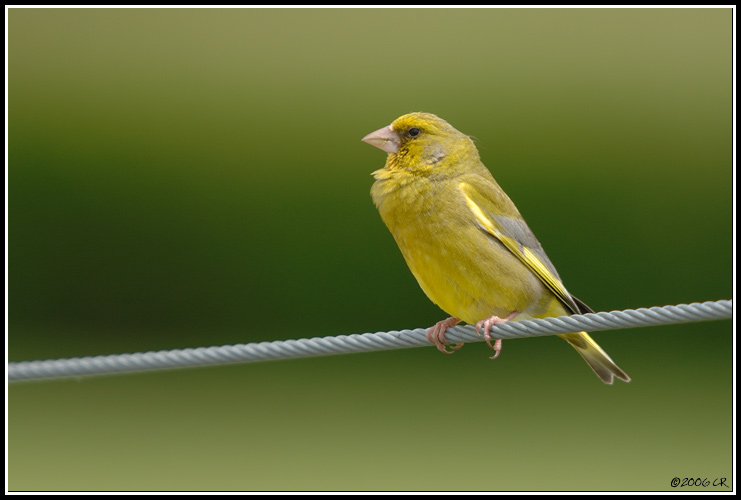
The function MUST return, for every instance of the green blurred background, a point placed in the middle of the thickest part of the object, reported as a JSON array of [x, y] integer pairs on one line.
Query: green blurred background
[[194, 177]]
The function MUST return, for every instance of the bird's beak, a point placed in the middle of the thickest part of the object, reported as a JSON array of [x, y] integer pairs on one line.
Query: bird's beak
[[384, 138]]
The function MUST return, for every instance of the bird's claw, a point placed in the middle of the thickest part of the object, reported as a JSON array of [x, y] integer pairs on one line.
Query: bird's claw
[[486, 325], [436, 335]]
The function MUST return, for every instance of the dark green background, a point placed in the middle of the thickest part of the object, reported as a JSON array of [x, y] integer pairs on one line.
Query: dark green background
[[183, 178]]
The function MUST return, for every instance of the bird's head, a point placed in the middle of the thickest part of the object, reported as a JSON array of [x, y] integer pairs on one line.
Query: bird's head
[[423, 142]]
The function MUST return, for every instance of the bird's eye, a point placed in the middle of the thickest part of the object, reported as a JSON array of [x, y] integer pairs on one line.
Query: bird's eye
[[413, 132]]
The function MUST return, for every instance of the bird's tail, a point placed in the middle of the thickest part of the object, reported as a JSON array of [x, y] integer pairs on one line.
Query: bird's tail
[[603, 366]]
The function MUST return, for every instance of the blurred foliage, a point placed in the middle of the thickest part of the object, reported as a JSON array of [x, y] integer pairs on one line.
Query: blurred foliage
[[188, 177]]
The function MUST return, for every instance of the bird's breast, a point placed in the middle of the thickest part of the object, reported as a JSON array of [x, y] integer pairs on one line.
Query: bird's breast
[[467, 273]]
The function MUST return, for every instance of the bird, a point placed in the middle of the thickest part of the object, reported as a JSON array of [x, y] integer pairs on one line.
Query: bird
[[464, 240]]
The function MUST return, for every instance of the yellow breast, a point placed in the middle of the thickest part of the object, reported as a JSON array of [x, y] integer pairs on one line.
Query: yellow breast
[[465, 272]]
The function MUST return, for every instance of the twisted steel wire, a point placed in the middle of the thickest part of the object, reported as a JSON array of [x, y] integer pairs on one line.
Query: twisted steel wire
[[319, 346]]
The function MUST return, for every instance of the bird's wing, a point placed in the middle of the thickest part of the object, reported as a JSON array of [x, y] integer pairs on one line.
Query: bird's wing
[[506, 225]]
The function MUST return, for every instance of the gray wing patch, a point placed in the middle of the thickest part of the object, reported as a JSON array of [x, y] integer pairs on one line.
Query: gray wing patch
[[518, 230]]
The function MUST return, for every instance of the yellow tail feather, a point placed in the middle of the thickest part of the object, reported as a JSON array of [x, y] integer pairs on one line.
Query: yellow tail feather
[[603, 366]]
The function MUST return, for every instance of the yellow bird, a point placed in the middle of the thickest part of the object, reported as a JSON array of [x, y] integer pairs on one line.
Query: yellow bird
[[463, 238]]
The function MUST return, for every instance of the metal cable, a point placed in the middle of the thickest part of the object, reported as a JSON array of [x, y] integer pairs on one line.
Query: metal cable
[[319, 346]]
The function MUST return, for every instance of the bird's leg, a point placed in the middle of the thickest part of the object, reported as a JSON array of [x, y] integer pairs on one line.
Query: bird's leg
[[436, 335], [486, 324]]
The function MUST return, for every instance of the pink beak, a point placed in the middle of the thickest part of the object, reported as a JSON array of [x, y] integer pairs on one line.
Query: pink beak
[[383, 138]]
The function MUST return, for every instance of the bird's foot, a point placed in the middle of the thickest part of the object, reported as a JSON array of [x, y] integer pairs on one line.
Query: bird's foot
[[436, 335], [486, 324]]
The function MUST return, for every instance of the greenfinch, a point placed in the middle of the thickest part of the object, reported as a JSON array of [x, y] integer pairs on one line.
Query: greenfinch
[[464, 240]]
